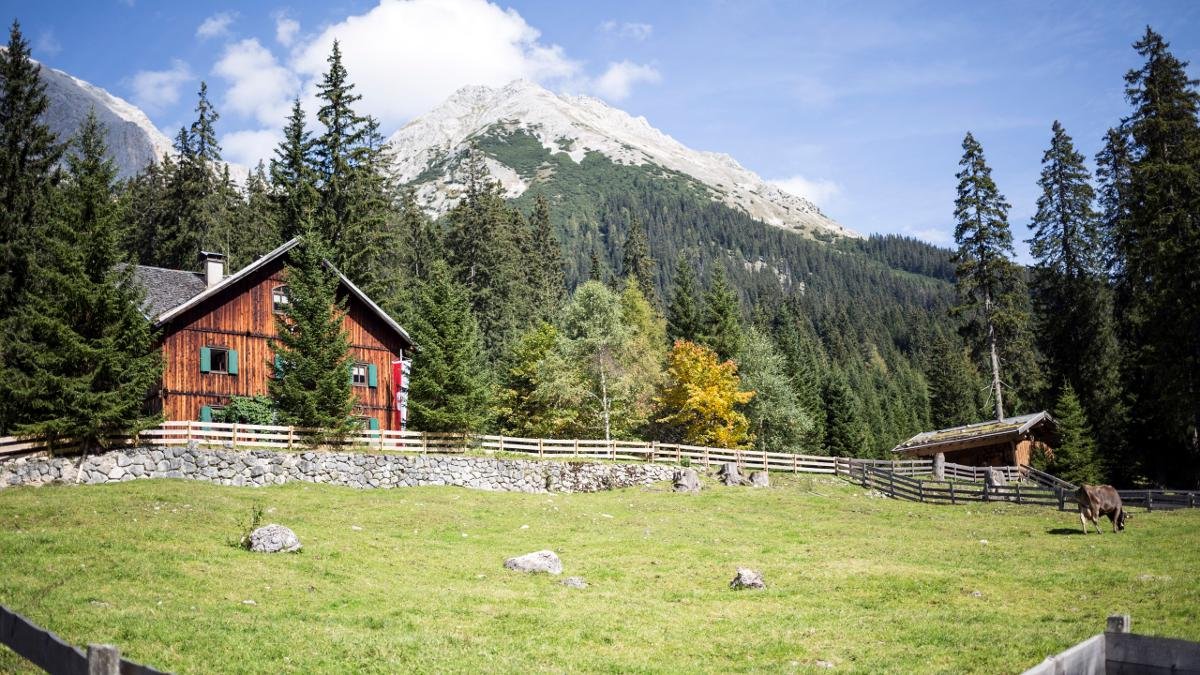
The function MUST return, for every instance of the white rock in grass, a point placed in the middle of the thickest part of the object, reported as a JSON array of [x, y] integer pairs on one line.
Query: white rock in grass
[[574, 582], [274, 539], [747, 578], [538, 561], [686, 480], [759, 479]]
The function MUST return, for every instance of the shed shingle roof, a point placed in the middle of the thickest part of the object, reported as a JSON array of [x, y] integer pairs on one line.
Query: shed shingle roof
[[1009, 426]]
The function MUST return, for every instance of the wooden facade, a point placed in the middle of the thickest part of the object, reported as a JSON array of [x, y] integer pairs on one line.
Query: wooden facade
[[237, 317], [1010, 442]]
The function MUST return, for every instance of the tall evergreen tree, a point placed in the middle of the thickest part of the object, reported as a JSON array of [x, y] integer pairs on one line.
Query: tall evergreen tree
[[1159, 244], [952, 385], [1075, 459], [1071, 297], [636, 261], [684, 316], [545, 270], [29, 153], [312, 386], [845, 431], [81, 357], [990, 292], [722, 317], [451, 386], [293, 179]]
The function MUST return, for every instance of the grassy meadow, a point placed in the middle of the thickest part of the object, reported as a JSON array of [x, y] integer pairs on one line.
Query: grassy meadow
[[412, 579]]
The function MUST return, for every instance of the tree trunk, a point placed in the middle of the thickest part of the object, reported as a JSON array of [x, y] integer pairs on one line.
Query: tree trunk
[[604, 403], [991, 329]]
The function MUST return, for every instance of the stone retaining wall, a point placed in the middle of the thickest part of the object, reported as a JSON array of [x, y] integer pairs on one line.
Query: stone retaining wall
[[260, 467]]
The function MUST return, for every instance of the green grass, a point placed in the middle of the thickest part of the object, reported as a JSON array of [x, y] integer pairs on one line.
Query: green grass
[[866, 584]]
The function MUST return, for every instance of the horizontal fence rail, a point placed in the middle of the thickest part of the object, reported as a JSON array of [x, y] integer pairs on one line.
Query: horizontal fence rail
[[51, 653]]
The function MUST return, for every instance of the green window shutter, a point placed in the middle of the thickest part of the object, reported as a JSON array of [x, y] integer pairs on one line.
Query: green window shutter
[[372, 377], [372, 423], [205, 360], [205, 414], [232, 362], [278, 365]]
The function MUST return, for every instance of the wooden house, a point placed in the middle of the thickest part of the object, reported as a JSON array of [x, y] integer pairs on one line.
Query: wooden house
[[216, 331], [1007, 442]]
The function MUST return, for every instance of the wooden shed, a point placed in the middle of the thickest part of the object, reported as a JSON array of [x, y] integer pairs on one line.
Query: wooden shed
[[216, 333], [1007, 442]]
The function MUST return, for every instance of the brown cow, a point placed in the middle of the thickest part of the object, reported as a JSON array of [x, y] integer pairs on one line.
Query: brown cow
[[1100, 500]]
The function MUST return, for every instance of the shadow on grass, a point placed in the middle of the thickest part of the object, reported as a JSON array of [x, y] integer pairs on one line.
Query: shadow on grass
[[1065, 530]]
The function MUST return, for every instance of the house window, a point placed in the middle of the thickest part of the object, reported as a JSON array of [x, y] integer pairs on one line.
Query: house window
[[359, 374], [221, 360], [280, 299]]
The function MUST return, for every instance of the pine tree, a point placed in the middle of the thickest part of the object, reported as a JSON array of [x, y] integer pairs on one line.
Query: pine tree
[[1071, 298], [684, 315], [845, 432], [990, 291], [807, 364], [952, 384], [1158, 244], [451, 386], [82, 358], [1075, 459], [312, 386], [547, 287], [293, 179], [203, 134], [29, 153], [636, 261], [722, 317], [1113, 168]]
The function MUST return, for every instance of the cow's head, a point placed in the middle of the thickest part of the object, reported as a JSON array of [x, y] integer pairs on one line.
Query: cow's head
[[1125, 515]]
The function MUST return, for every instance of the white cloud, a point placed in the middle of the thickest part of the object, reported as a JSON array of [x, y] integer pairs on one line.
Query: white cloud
[[246, 148], [155, 89], [216, 25], [933, 235], [629, 29], [617, 82], [821, 191], [47, 44], [405, 57], [258, 84], [285, 29]]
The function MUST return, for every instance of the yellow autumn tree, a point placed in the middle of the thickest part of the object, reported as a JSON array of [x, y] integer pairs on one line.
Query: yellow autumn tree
[[701, 398]]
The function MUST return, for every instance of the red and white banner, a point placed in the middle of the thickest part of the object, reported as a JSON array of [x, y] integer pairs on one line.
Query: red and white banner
[[401, 374]]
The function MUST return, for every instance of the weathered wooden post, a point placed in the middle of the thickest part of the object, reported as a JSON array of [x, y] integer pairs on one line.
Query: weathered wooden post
[[541, 446], [952, 501], [1149, 501], [939, 466], [653, 451], [103, 660], [1119, 623]]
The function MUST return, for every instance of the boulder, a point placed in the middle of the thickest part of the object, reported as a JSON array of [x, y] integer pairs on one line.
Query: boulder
[[274, 539], [686, 480], [747, 578], [729, 474], [538, 561], [759, 479], [574, 582], [993, 478]]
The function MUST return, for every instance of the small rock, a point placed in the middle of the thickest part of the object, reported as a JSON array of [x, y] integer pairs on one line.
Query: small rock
[[605, 515], [274, 538], [524, 527], [574, 582], [747, 578], [983, 541], [356, 528], [686, 480], [976, 594], [249, 602], [759, 479], [538, 561], [822, 664]]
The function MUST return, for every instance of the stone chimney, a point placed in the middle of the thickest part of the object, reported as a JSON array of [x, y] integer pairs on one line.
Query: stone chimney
[[214, 267]]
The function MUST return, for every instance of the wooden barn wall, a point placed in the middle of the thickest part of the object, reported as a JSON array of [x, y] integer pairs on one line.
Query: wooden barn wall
[[242, 319]]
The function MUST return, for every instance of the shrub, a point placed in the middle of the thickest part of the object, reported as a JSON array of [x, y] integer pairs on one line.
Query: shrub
[[247, 410]]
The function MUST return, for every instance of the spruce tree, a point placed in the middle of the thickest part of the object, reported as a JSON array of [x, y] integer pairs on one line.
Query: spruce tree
[[293, 179], [990, 292], [1159, 243], [845, 431], [545, 269], [951, 381], [1075, 459], [636, 261], [81, 357], [451, 385], [684, 321], [311, 387], [1071, 298], [722, 317], [29, 154]]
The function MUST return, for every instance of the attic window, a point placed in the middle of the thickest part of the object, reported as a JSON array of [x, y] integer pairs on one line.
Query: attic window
[[280, 299]]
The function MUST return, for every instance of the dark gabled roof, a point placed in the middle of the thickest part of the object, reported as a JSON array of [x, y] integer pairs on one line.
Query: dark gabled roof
[[991, 431], [165, 288], [170, 313]]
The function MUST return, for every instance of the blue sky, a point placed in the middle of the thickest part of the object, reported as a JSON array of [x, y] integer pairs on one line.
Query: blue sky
[[862, 106]]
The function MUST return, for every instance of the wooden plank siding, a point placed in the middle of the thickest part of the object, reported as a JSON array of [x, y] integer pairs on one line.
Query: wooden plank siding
[[242, 318]]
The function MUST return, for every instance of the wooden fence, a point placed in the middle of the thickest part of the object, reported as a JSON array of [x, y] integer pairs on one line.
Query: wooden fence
[[1117, 650], [950, 491], [50, 653]]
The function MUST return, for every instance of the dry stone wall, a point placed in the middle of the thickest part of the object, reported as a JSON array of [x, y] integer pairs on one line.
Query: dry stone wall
[[259, 468]]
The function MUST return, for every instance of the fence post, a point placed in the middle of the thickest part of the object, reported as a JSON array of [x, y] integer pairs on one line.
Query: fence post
[[103, 660], [1062, 499], [653, 451], [189, 432], [541, 449], [576, 447], [502, 447], [424, 442], [921, 491], [1018, 492], [952, 500], [1149, 501], [291, 436], [796, 464], [892, 482]]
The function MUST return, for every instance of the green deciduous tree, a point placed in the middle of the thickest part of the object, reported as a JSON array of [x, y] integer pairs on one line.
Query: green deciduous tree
[[778, 419]]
